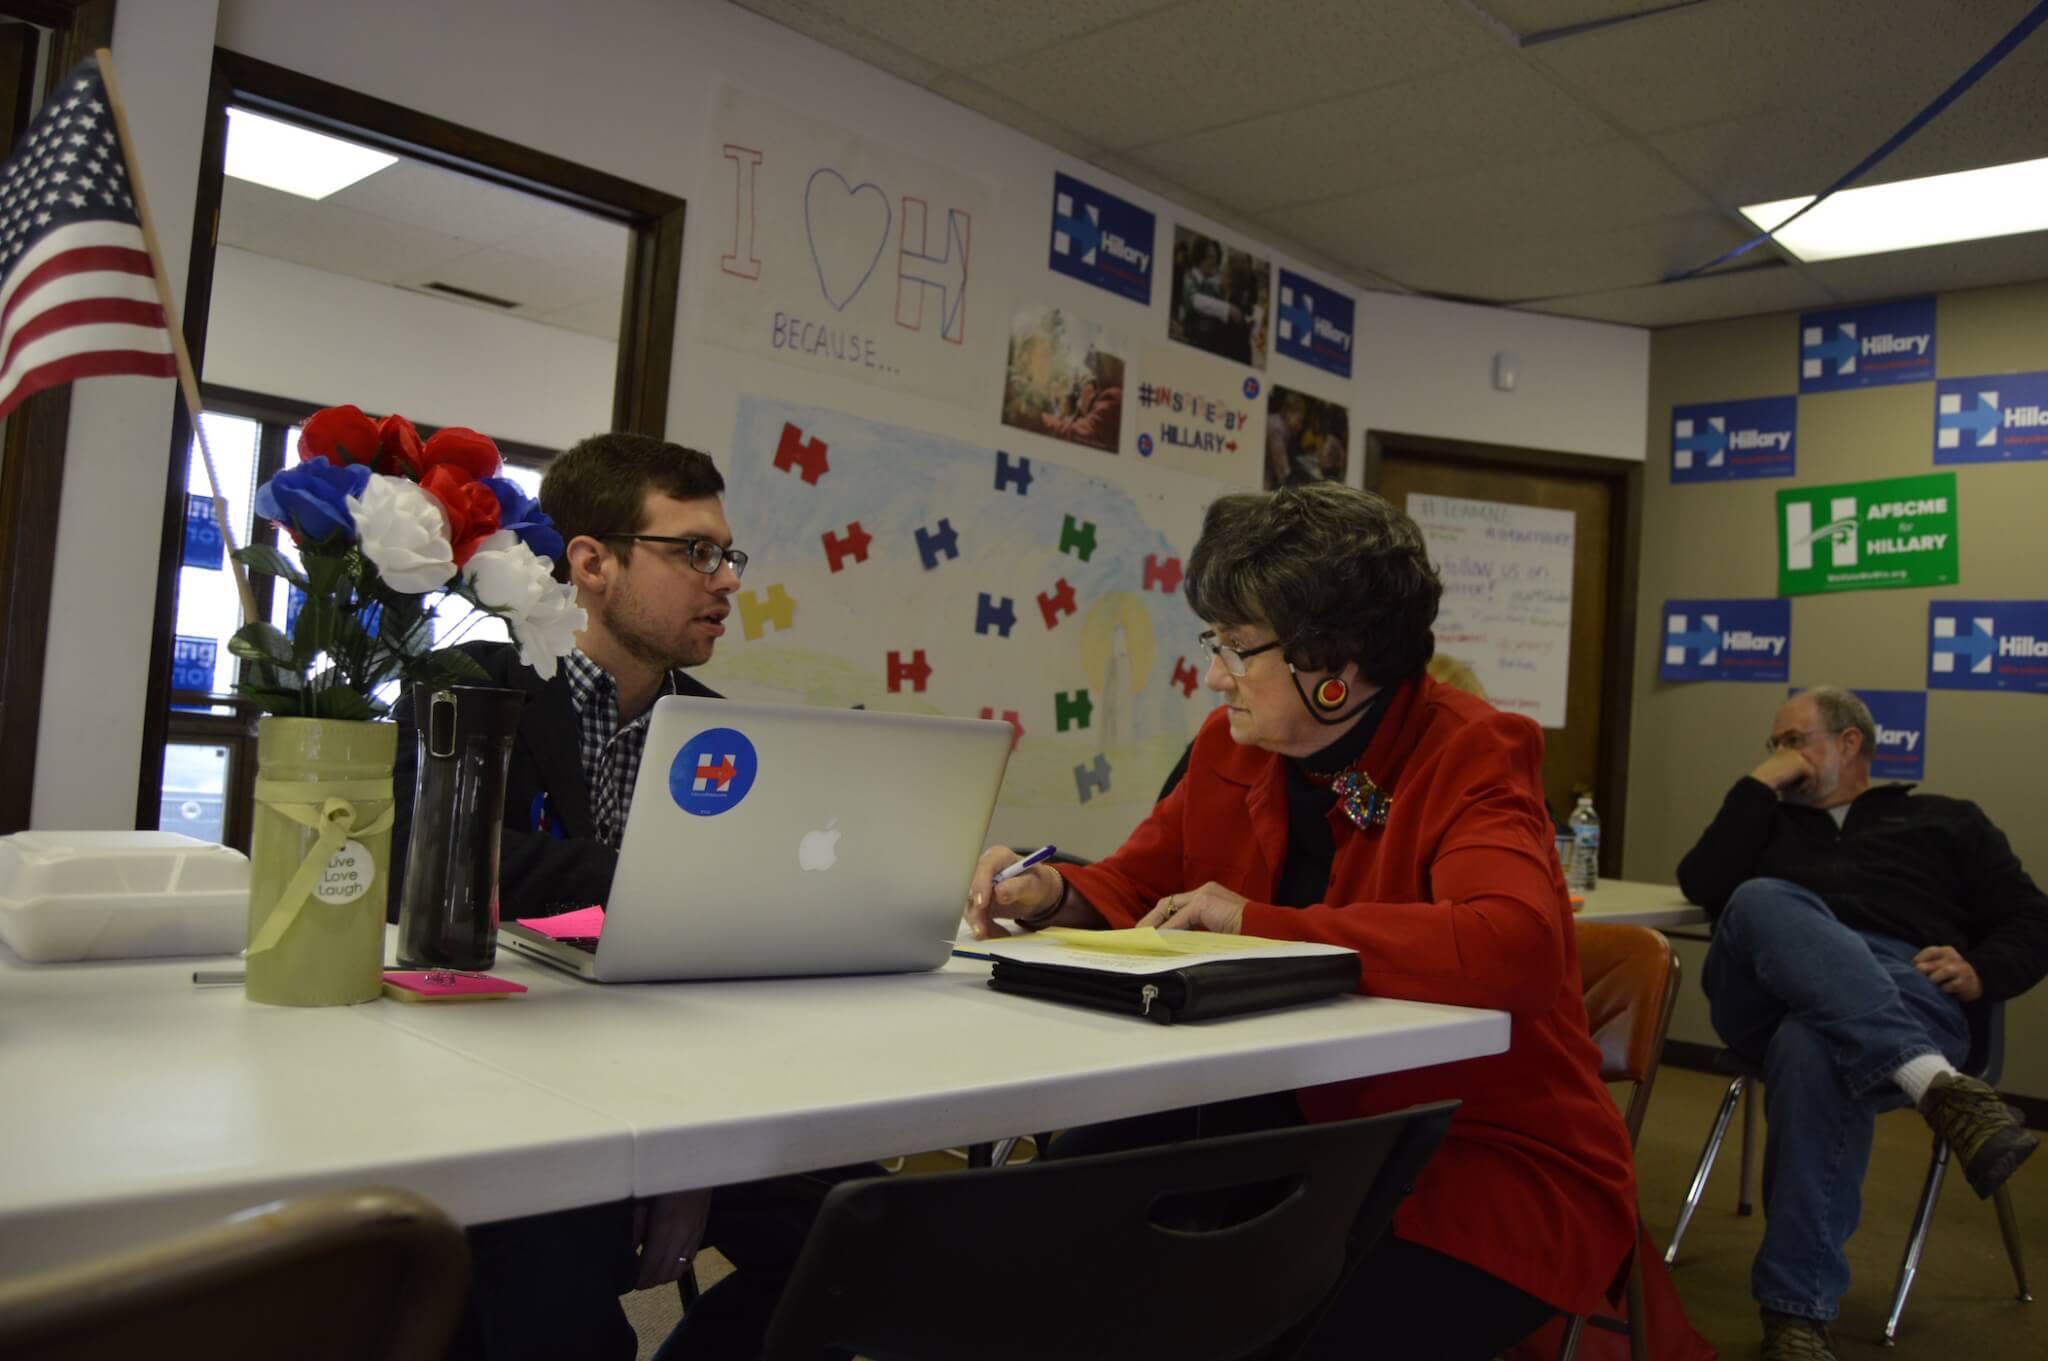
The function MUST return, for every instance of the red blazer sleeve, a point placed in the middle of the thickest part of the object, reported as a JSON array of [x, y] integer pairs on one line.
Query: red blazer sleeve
[[1492, 934]]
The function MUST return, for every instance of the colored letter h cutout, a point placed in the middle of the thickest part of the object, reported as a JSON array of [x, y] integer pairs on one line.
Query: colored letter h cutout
[[917, 671], [1078, 539], [1092, 780], [1075, 710], [757, 614], [1056, 604], [930, 545], [987, 616], [805, 457], [853, 544]]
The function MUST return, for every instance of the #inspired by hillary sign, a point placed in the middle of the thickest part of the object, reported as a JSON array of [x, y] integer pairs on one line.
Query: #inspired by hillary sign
[[1857, 347], [1314, 324], [1987, 645], [1101, 239], [1861, 536], [1738, 640], [1721, 441], [1996, 419]]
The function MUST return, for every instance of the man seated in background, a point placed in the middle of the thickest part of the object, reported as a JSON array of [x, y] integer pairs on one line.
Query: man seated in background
[[1853, 924], [650, 553]]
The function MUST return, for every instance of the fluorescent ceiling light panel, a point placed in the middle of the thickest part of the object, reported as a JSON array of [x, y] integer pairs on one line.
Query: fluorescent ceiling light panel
[[298, 161], [1968, 205]]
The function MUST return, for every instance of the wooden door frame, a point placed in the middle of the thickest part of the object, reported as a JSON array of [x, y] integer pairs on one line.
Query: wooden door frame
[[1624, 552], [32, 469], [647, 326]]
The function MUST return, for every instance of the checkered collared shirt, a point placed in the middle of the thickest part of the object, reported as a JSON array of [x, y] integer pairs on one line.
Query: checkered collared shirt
[[611, 753]]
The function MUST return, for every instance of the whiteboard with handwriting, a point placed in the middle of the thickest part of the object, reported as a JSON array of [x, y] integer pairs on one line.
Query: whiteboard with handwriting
[[1507, 608]]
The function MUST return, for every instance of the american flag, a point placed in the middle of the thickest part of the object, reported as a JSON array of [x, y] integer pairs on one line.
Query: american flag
[[78, 298]]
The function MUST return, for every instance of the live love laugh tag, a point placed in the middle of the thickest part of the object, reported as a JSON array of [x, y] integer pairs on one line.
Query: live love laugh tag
[[713, 772]]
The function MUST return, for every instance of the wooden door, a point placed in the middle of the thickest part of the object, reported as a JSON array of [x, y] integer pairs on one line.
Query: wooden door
[[1589, 752]]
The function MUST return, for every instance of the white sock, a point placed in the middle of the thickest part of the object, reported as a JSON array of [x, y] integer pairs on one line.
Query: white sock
[[1917, 1075]]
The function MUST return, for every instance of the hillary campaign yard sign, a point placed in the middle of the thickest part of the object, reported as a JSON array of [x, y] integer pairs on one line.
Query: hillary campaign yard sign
[[1856, 347], [1738, 640], [1994, 419], [1721, 441], [1987, 645], [1101, 239], [1859, 536], [1315, 324]]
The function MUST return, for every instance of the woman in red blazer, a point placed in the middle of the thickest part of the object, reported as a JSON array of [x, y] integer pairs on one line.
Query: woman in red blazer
[[1341, 795]]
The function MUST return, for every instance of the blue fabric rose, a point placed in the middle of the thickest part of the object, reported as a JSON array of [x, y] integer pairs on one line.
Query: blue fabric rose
[[311, 499], [522, 515]]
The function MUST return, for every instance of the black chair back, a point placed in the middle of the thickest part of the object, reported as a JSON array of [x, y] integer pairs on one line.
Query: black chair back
[[1205, 1249]]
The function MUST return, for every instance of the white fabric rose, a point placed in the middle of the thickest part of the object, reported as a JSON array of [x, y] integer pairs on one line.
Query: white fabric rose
[[510, 578], [404, 532]]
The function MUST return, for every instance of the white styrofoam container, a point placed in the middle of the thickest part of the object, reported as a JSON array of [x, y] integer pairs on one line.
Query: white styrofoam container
[[120, 895]]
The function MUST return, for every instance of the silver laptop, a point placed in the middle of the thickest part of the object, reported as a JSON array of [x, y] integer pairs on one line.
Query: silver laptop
[[771, 841]]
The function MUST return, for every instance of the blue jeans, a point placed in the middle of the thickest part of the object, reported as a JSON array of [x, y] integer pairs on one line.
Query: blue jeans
[[1829, 1013]]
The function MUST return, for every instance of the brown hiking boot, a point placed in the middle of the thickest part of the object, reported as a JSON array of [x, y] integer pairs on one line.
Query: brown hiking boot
[[1980, 1130], [1787, 1337]]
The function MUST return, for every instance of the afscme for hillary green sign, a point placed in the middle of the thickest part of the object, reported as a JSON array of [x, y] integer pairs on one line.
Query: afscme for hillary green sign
[[1862, 536]]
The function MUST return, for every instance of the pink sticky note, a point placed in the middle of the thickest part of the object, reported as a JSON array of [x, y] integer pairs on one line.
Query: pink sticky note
[[438, 985], [583, 922]]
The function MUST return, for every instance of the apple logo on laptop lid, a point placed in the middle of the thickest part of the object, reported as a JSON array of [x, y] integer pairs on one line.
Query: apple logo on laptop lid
[[819, 850]]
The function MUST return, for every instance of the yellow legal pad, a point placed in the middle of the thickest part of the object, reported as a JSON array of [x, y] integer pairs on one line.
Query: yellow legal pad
[[1150, 940]]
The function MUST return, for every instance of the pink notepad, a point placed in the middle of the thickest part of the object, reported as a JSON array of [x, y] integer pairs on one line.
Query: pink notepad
[[437, 985], [584, 922]]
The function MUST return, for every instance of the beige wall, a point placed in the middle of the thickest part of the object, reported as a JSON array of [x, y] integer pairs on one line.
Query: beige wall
[[1712, 540]]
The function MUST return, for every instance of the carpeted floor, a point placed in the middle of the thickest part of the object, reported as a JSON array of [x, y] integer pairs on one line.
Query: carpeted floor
[[1962, 1303]]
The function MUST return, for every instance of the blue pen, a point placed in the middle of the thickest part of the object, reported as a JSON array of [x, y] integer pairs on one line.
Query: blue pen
[[1037, 857]]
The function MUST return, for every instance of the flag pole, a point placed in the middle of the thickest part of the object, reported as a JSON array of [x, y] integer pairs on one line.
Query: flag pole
[[187, 383]]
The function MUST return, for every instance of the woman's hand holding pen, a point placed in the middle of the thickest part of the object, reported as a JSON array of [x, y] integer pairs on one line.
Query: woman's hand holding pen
[[1007, 884]]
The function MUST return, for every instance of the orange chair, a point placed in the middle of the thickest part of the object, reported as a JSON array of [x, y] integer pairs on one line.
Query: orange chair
[[1631, 981], [342, 1276]]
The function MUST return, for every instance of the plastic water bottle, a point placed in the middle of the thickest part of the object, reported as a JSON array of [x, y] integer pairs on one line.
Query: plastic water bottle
[[1583, 874]]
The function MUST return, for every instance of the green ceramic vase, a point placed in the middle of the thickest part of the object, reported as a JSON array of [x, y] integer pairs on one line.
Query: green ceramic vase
[[319, 861]]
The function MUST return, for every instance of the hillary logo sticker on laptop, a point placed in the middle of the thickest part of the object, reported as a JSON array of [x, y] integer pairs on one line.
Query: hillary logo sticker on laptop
[[713, 772]]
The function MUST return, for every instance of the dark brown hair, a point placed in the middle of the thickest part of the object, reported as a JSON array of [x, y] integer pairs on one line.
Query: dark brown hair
[[1340, 575], [600, 486]]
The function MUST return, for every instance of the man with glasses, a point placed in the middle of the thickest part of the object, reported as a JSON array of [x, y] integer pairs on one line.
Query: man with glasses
[[650, 554], [1852, 926]]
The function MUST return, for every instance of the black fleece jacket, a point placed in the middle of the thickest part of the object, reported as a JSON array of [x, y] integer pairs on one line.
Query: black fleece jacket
[[1922, 868]]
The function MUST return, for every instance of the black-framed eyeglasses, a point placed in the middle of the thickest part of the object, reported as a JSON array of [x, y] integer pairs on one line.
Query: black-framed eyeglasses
[[704, 555], [1234, 658]]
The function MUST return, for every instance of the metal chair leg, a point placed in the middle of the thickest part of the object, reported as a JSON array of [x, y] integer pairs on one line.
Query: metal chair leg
[[2009, 1229], [1745, 1196], [1699, 1176], [1923, 1220], [1574, 1325], [1000, 1155]]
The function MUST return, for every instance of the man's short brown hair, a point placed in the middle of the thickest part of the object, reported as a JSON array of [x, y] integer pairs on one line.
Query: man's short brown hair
[[600, 486]]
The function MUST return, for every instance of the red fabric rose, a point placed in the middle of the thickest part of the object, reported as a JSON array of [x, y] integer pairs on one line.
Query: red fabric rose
[[342, 435], [472, 507], [463, 448], [398, 447]]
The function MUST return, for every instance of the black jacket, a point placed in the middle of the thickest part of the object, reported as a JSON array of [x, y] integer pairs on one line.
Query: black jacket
[[1921, 868], [539, 873]]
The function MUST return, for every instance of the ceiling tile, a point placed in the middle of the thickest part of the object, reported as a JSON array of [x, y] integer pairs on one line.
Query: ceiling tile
[[1508, 269], [362, 245], [1528, 17], [1938, 269], [443, 201], [962, 34], [534, 285], [597, 317], [1743, 294], [1494, 113], [1592, 190], [1209, 63], [865, 42], [1713, 62]]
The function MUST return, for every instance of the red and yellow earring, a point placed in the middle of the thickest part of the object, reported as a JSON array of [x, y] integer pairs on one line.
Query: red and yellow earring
[[1331, 694]]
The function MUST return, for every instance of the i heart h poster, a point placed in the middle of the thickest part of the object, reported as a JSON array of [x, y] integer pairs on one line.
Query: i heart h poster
[[843, 255]]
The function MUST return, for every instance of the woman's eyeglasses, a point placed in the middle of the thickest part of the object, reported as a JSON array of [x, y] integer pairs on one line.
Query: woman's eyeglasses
[[1234, 658], [704, 555]]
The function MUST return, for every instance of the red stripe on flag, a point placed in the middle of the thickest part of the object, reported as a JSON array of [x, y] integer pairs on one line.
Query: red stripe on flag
[[98, 364], [84, 260], [85, 312]]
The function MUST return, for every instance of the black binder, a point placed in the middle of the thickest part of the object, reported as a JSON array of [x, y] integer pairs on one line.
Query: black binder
[[1196, 991]]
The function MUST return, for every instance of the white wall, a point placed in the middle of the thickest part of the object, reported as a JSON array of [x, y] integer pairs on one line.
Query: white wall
[[288, 331], [627, 87]]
